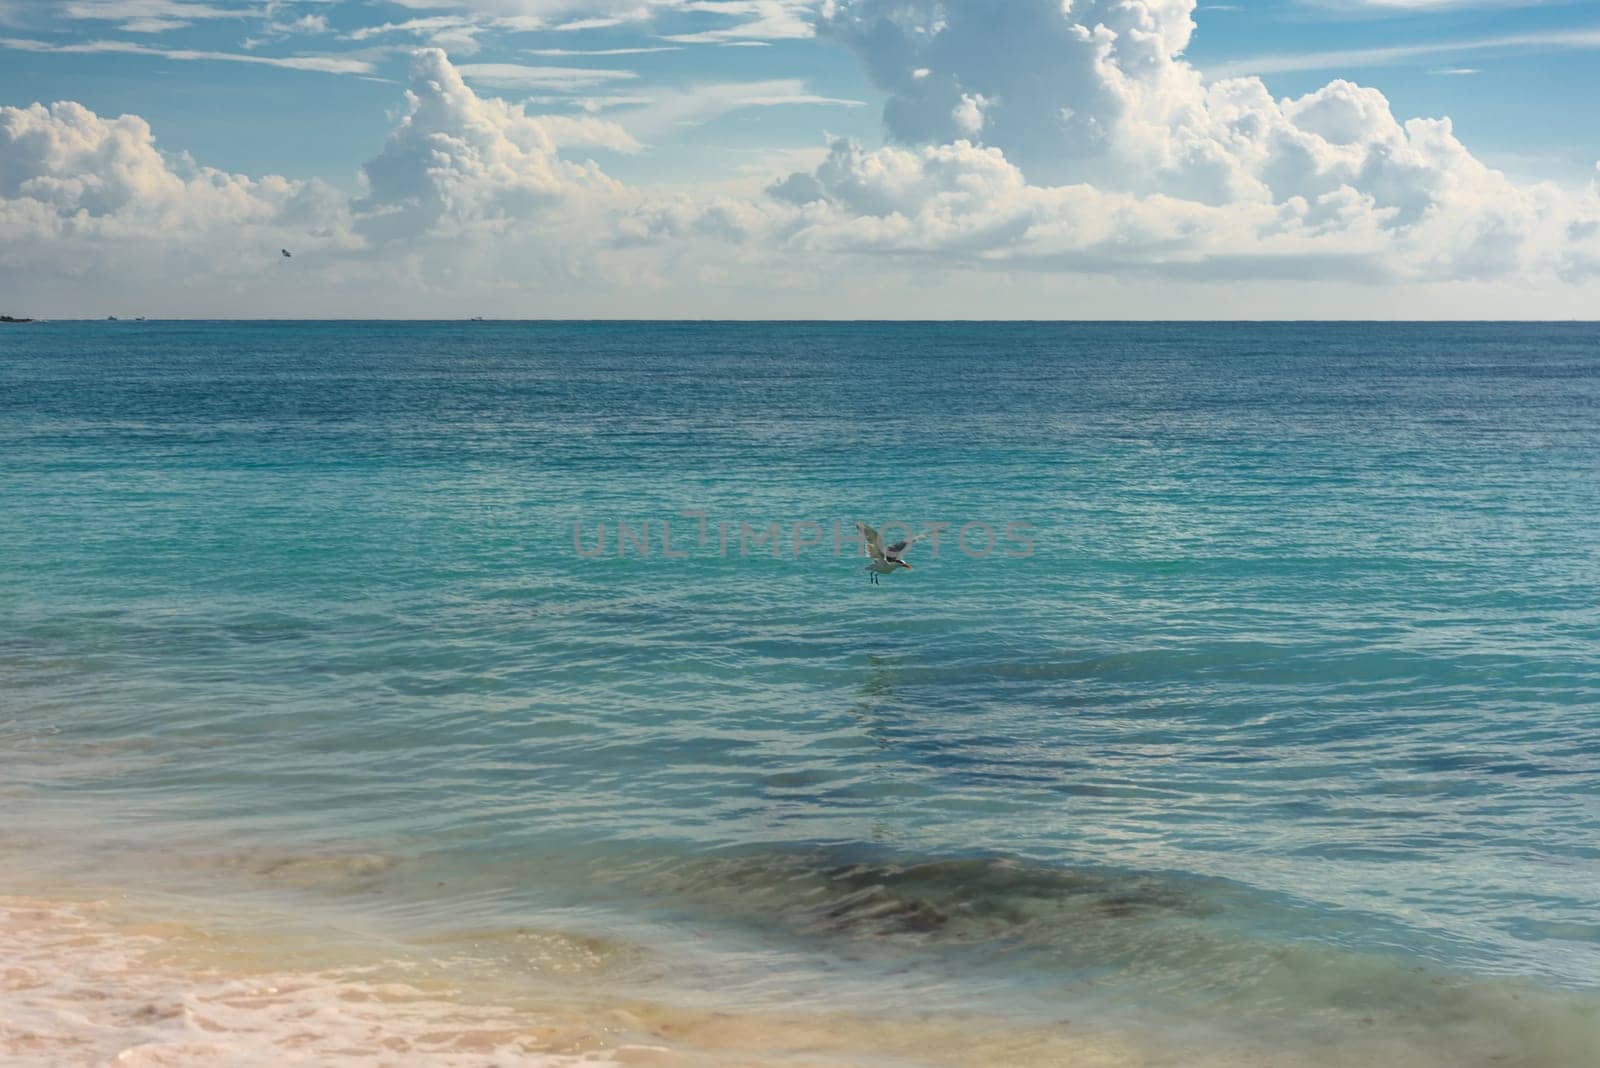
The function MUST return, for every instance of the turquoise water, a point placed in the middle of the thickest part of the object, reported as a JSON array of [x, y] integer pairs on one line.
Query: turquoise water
[[1298, 690]]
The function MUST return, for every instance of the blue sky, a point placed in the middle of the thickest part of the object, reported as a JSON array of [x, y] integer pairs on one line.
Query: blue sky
[[719, 156]]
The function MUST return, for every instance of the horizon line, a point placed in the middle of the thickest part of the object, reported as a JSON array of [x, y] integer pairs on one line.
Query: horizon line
[[484, 321]]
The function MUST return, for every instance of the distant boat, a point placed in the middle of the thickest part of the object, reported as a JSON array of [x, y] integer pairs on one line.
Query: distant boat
[[12, 319], [138, 319], [111, 318], [477, 318]]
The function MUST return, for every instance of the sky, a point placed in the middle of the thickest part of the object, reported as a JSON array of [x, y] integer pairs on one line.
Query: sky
[[1043, 159]]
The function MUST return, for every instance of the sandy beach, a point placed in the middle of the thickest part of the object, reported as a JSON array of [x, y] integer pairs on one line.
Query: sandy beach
[[95, 982], [83, 985], [116, 981]]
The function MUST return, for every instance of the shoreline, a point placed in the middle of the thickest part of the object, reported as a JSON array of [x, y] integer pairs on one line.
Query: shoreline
[[169, 954], [80, 987], [85, 980], [91, 976]]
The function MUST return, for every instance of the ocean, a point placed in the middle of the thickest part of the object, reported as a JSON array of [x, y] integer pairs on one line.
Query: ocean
[[1243, 705]]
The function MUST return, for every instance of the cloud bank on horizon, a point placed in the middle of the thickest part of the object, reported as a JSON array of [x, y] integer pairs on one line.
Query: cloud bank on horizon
[[1042, 145]]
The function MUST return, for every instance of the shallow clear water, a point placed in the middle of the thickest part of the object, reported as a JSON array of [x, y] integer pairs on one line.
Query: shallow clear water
[[1297, 691]]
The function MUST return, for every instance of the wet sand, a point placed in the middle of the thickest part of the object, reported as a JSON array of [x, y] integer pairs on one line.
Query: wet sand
[[96, 982], [116, 980], [82, 984]]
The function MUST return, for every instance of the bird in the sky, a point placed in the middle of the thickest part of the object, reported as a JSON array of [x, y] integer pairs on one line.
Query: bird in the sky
[[886, 560], [285, 253]]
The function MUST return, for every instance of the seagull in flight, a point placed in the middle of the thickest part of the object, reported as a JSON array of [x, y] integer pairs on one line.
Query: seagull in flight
[[285, 253], [886, 560]]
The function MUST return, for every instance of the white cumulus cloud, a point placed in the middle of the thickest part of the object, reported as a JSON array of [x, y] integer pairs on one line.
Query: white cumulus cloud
[[457, 159], [476, 203], [1011, 119], [69, 177]]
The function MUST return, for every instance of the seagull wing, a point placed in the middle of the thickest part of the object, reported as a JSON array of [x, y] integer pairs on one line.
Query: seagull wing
[[898, 549], [874, 542]]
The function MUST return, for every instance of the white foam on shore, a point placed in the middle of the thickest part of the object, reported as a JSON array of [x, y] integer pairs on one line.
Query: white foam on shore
[[150, 982], [76, 990], [88, 983]]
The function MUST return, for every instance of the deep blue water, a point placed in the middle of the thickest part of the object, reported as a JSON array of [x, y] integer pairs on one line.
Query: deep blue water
[[1304, 659]]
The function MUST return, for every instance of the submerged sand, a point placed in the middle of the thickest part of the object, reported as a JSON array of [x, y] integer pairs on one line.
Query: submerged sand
[[78, 988], [114, 982], [109, 969], [88, 982]]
